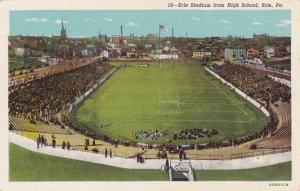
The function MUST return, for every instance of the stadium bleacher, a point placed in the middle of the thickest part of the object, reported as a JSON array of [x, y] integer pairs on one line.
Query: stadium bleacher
[[22, 124]]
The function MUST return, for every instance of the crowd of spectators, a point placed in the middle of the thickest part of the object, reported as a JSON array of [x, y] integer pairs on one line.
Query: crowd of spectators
[[195, 133], [255, 84], [152, 134], [42, 99]]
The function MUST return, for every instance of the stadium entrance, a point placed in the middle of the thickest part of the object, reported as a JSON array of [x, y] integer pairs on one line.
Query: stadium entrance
[[180, 170]]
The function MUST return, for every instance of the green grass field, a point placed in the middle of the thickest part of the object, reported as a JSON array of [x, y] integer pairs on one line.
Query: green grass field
[[278, 172], [26, 165], [173, 97]]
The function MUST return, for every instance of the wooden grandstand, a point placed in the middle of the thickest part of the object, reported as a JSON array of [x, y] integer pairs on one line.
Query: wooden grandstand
[[283, 112], [281, 135], [22, 124]]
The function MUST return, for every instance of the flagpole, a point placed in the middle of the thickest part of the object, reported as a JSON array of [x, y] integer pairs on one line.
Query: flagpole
[[159, 45]]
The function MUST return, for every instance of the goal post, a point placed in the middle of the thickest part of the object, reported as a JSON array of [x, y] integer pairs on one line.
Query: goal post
[[169, 104]]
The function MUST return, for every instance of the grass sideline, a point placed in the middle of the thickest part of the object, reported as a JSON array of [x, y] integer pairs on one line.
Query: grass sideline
[[130, 101], [26, 165], [278, 172]]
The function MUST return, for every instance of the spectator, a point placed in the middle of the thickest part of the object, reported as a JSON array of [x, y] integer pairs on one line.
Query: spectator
[[42, 140], [167, 165], [63, 145], [106, 153], [68, 146], [38, 140], [53, 143]]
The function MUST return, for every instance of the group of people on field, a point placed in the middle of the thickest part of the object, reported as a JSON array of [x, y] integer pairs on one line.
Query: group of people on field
[[195, 133], [149, 134]]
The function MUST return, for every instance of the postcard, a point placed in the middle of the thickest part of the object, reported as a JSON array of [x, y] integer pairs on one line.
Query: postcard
[[139, 96]]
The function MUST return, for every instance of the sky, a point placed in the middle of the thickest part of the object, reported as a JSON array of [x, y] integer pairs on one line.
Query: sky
[[199, 23]]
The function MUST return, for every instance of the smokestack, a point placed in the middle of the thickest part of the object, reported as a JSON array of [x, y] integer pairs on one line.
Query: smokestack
[[121, 31], [121, 35], [172, 32]]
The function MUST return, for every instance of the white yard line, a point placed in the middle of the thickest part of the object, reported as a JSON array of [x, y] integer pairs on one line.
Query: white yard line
[[246, 163]]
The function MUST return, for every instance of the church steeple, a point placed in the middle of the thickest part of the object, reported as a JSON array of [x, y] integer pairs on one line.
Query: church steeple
[[63, 31]]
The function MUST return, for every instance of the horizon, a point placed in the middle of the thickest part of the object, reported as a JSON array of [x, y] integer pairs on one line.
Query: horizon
[[197, 24]]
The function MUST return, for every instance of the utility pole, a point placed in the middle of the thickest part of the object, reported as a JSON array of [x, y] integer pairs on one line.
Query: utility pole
[[159, 45]]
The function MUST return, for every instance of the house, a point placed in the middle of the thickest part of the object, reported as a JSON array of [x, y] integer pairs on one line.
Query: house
[[84, 52], [48, 60], [102, 39], [116, 39], [235, 53], [270, 52], [288, 49], [164, 56], [174, 50], [131, 54], [165, 49], [151, 37], [22, 51], [148, 46], [44, 59], [280, 51], [132, 45], [252, 53], [89, 50], [255, 61], [104, 54], [201, 55]]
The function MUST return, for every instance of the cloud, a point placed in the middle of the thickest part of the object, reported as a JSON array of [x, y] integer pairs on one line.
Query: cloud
[[58, 21], [36, 20], [132, 24], [195, 18], [284, 23], [225, 21], [108, 19], [257, 23]]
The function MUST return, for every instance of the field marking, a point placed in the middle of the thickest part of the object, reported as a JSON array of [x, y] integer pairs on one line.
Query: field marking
[[252, 119], [215, 103], [185, 111], [203, 97], [208, 103], [196, 87], [179, 120], [212, 112]]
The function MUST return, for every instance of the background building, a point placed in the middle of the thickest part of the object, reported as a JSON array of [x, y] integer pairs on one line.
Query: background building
[[235, 53]]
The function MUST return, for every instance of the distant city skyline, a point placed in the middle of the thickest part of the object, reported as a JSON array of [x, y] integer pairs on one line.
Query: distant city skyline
[[201, 23]]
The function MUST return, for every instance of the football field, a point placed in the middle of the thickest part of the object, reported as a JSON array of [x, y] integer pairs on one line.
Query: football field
[[172, 97]]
